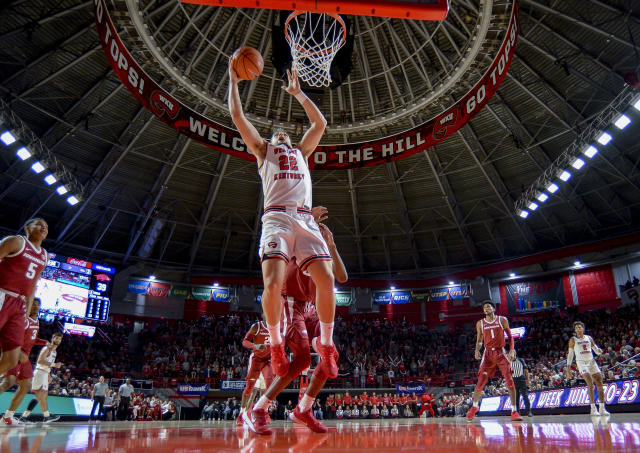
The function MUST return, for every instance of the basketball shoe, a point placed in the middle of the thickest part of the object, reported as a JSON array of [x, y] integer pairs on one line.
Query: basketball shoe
[[279, 361], [256, 421], [603, 411], [11, 421], [472, 412], [328, 363], [306, 418], [239, 420], [515, 417]]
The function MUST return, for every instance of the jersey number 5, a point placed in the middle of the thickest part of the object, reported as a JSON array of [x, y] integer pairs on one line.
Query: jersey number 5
[[288, 163], [31, 272]]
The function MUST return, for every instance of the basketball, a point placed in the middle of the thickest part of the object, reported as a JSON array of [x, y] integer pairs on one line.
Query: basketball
[[247, 62]]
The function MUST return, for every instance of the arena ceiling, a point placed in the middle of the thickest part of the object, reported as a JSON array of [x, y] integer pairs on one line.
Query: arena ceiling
[[449, 208]]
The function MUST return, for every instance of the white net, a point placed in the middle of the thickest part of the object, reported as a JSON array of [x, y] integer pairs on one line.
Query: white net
[[315, 39]]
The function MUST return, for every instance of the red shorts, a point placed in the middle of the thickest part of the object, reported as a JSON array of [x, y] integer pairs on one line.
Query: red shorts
[[22, 371], [259, 365], [300, 325], [494, 358], [12, 321]]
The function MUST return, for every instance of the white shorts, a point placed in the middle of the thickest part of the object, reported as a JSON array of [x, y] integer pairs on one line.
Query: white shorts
[[290, 233], [590, 367], [40, 381]]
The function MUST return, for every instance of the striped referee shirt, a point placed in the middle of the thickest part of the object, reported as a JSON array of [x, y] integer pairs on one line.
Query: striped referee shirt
[[517, 368]]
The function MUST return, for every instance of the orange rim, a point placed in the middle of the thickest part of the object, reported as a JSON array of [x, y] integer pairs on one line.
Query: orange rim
[[302, 49]]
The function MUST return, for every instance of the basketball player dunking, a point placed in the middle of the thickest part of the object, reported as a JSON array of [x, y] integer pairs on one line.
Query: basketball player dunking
[[581, 346], [288, 228], [23, 371], [22, 260], [301, 325], [491, 330], [256, 339]]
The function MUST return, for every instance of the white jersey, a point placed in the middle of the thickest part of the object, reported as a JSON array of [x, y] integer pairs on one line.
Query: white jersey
[[50, 359], [286, 181], [582, 349]]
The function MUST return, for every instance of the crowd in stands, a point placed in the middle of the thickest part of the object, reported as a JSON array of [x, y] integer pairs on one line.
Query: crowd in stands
[[631, 283]]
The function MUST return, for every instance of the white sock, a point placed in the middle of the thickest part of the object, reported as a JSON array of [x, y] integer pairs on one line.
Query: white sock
[[274, 333], [601, 405], [26, 413], [305, 403], [263, 403], [46, 413], [8, 414], [326, 333], [593, 406], [475, 404], [314, 344]]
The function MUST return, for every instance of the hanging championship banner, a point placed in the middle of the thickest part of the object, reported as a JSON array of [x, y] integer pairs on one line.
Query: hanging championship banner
[[158, 289], [400, 297], [355, 155], [138, 286], [200, 293], [532, 296], [220, 295], [179, 292], [381, 298], [343, 299]]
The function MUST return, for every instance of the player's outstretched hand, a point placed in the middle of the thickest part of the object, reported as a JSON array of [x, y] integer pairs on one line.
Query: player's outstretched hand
[[327, 235], [294, 84], [319, 213], [233, 76], [512, 355]]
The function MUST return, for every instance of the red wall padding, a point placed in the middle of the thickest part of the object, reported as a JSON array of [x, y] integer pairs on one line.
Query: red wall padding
[[595, 286], [568, 295], [194, 309]]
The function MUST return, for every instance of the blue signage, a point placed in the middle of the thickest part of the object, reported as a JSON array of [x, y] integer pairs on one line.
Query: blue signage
[[400, 297], [418, 389], [259, 298], [138, 286], [101, 268], [382, 298], [189, 389], [618, 392], [220, 295]]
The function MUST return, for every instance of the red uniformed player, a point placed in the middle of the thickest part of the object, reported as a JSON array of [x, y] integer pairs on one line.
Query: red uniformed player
[[23, 371], [427, 404], [301, 323], [491, 330], [22, 260], [256, 339]]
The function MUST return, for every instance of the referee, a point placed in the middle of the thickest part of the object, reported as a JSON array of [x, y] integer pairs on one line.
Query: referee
[[520, 378]]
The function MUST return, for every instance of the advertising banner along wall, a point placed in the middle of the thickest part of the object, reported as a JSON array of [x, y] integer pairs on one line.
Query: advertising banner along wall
[[354, 155], [535, 295]]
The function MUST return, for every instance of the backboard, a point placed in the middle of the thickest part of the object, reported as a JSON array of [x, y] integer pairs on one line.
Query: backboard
[[434, 10]]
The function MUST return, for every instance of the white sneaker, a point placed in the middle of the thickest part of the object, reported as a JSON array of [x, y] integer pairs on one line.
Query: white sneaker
[[603, 411], [11, 421], [594, 412]]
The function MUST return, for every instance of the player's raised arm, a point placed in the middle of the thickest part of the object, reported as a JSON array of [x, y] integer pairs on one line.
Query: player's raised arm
[[594, 346], [478, 356], [255, 143], [312, 137], [570, 354]]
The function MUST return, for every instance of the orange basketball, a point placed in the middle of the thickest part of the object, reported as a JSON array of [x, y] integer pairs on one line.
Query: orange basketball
[[247, 62]]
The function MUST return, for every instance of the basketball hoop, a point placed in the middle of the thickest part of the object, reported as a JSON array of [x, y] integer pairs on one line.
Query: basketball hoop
[[314, 39]]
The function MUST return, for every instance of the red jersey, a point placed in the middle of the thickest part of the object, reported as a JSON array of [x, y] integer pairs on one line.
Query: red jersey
[[19, 271], [374, 400], [260, 337], [493, 333], [364, 398], [297, 284], [386, 400], [330, 401], [339, 401], [426, 398], [31, 336], [404, 399], [347, 400]]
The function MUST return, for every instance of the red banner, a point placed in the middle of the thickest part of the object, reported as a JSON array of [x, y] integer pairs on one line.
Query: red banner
[[158, 289], [354, 155]]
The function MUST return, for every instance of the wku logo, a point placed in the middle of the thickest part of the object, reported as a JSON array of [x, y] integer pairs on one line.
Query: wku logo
[[443, 122], [161, 103], [273, 245]]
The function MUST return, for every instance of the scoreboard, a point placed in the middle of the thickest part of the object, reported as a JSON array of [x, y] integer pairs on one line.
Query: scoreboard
[[73, 288]]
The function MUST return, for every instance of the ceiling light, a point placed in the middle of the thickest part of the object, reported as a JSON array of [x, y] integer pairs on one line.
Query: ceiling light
[[72, 200], [512, 274], [50, 179], [604, 138], [590, 151], [578, 163], [637, 104], [335, 290], [7, 138], [62, 190], [451, 283], [542, 197], [622, 121], [564, 175], [533, 206], [523, 213], [552, 188], [152, 277], [23, 153], [37, 167], [215, 285], [577, 263], [393, 287]]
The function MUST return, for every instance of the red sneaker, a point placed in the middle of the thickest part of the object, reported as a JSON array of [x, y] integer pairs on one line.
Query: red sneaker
[[279, 362], [515, 417], [269, 421], [307, 419], [239, 421], [11, 421], [472, 413], [256, 421], [328, 363]]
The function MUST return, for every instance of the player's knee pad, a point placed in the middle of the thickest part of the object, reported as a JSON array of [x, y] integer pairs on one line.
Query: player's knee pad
[[483, 378]]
